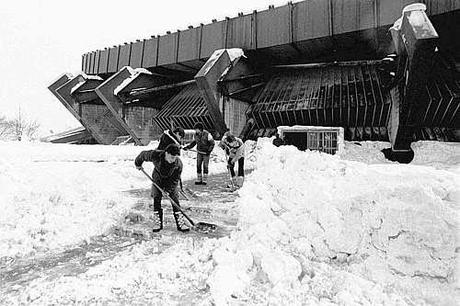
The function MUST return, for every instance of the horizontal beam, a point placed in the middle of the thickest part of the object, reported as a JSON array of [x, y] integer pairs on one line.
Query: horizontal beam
[[143, 91]]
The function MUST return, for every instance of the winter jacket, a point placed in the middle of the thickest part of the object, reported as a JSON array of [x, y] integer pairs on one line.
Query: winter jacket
[[166, 139], [234, 149], [164, 174], [203, 141]]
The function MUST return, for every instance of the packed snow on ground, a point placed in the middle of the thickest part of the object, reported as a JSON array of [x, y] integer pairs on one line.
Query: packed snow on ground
[[56, 195], [313, 229]]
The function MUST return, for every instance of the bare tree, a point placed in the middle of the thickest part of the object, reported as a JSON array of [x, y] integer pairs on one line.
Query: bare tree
[[23, 127], [6, 128]]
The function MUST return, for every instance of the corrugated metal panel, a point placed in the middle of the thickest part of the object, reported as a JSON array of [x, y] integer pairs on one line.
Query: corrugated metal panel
[[136, 54], [113, 59], [184, 110], [150, 53], [240, 32], [347, 96], [213, 38], [311, 19], [167, 49], [273, 27], [103, 61], [125, 53], [189, 45]]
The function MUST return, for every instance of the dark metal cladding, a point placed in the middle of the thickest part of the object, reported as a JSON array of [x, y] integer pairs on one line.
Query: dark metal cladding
[[307, 29], [103, 61], [349, 16], [125, 54], [113, 59], [137, 50], [240, 32], [189, 45], [213, 38], [150, 55], [167, 49], [273, 27], [92, 63], [97, 56], [310, 19]]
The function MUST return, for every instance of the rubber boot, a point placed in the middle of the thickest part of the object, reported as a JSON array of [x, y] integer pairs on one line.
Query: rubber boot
[[180, 222], [205, 179], [240, 181], [233, 183], [199, 179], [157, 220]]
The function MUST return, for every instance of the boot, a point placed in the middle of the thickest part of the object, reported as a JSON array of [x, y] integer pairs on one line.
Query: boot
[[233, 184], [180, 222], [240, 181], [199, 180], [205, 179], [157, 218]]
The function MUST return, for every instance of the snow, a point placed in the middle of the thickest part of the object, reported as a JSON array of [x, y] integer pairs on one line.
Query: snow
[[313, 228]]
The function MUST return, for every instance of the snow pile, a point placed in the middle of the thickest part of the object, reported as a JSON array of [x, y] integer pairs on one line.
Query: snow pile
[[316, 228], [56, 195]]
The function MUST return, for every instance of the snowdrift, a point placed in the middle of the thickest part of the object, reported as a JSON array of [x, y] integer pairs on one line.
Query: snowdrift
[[316, 228]]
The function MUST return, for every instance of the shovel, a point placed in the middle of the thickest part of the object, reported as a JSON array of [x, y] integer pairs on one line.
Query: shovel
[[200, 226]]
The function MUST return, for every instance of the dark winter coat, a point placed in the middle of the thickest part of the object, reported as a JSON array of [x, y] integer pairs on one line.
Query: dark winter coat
[[203, 141], [166, 175], [166, 139]]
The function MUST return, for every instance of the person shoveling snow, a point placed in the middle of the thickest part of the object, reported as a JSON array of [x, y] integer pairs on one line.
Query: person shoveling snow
[[166, 175]]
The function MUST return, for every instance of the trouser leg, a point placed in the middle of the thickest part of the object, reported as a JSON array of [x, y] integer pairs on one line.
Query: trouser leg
[[174, 196], [156, 195], [240, 178], [231, 167], [205, 168], [157, 216], [199, 162]]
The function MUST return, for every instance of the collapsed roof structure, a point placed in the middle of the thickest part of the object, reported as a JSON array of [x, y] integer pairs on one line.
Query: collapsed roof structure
[[381, 69]]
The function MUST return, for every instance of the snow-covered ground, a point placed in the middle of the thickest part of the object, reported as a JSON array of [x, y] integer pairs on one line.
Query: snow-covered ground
[[313, 228]]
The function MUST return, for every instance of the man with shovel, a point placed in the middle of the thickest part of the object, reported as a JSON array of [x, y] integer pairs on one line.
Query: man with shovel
[[166, 175], [204, 143]]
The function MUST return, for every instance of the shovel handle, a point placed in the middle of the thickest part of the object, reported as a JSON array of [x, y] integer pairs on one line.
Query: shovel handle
[[173, 203]]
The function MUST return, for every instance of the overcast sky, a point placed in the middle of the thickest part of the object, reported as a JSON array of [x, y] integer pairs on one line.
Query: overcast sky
[[42, 39]]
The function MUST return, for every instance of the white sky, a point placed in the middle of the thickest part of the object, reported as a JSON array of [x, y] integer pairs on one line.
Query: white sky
[[42, 39]]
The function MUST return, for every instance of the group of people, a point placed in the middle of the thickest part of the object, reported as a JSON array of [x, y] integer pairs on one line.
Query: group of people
[[167, 171]]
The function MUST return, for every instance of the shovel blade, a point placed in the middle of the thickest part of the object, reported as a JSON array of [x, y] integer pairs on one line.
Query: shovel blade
[[205, 227]]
